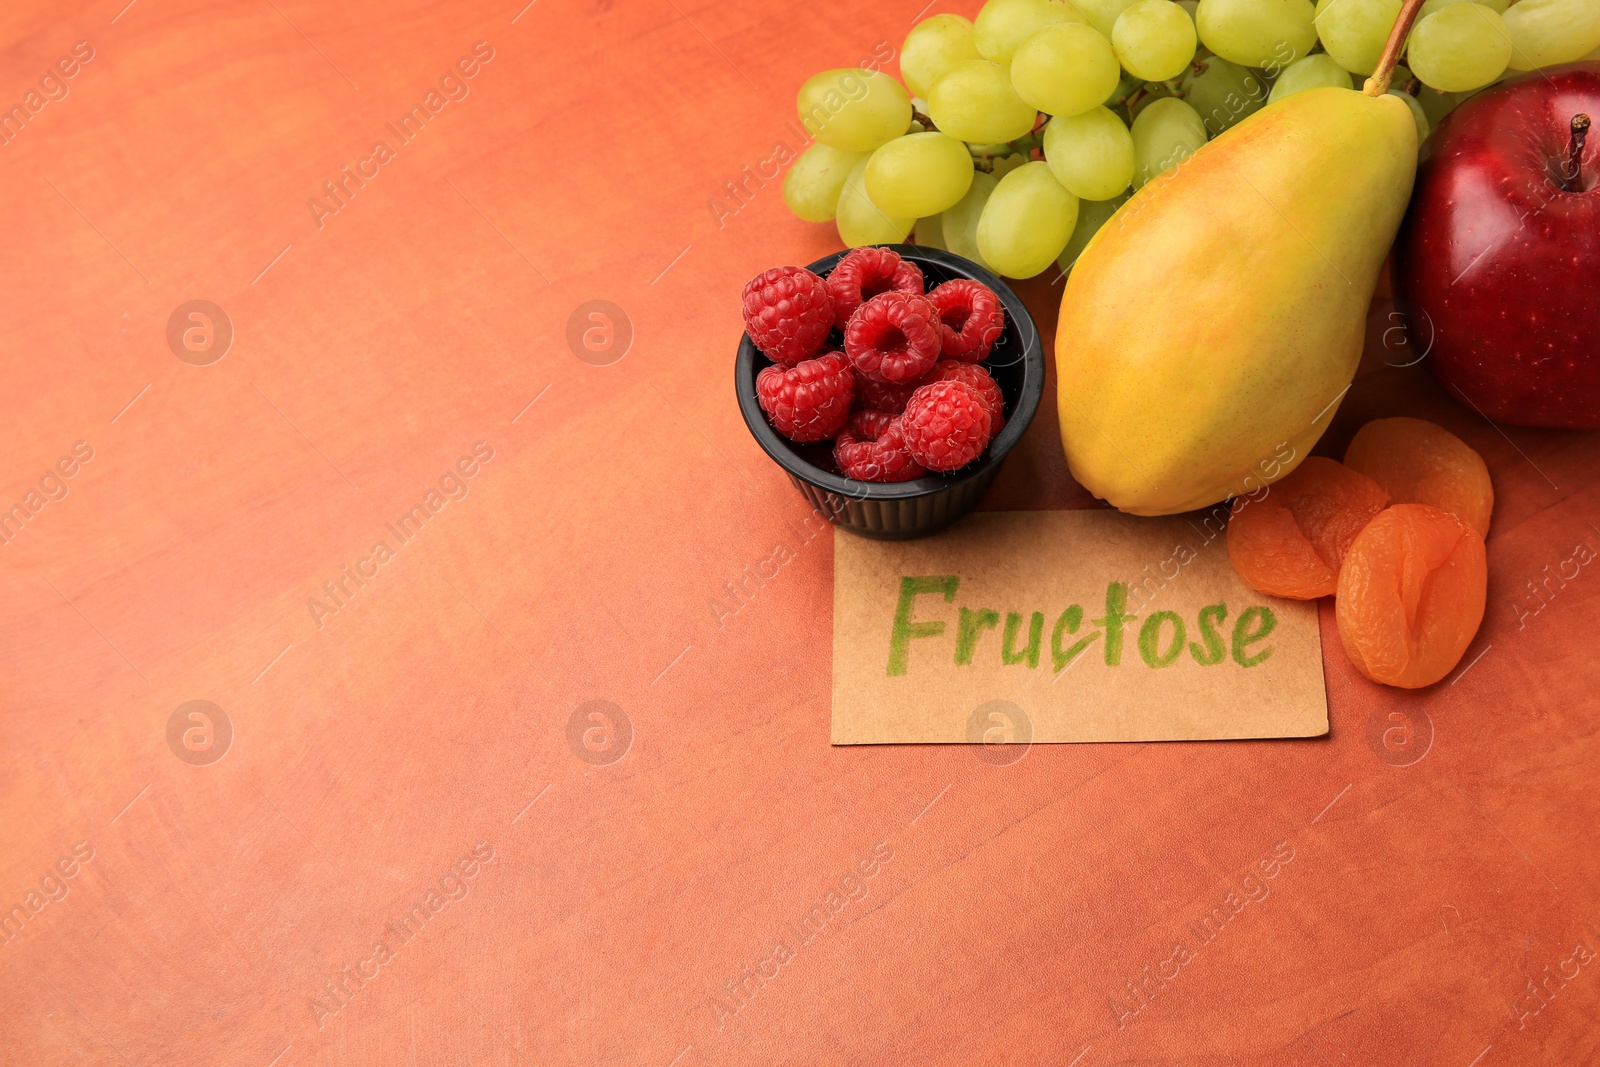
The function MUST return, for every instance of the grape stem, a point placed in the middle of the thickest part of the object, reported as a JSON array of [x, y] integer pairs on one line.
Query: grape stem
[[1378, 84], [1580, 133], [927, 123]]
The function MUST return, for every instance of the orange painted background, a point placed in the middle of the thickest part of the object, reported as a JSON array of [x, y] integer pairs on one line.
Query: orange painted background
[[407, 853]]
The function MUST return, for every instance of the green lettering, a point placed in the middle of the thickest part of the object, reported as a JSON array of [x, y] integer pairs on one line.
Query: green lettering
[[1150, 639], [1068, 623], [904, 629], [1244, 635], [1116, 615], [1035, 631], [1214, 651], [972, 624]]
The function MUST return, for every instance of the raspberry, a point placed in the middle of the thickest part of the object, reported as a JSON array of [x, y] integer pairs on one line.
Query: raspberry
[[954, 370], [868, 424], [894, 337], [946, 425], [810, 400], [882, 460], [788, 313], [864, 273], [883, 396], [970, 319]]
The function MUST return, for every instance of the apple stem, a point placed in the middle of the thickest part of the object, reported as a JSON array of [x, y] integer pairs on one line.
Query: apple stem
[[1580, 133], [1378, 84]]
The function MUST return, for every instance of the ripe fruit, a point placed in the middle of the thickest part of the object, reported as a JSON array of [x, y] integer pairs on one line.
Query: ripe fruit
[[1257, 33], [1027, 221], [1065, 70], [1460, 48], [788, 313], [860, 221], [976, 378], [1418, 462], [882, 457], [1223, 317], [1505, 218], [1411, 595], [809, 401], [1291, 541], [1091, 154], [970, 319], [854, 110], [1155, 39], [815, 180], [1312, 72], [946, 426], [1164, 135], [866, 272], [1547, 32], [1003, 25], [975, 101], [919, 174], [894, 337], [932, 47]]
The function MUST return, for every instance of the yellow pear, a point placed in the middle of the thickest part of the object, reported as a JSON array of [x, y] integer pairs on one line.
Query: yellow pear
[[1211, 327]]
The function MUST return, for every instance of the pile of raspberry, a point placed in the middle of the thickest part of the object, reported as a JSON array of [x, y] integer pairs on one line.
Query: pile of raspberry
[[906, 394]]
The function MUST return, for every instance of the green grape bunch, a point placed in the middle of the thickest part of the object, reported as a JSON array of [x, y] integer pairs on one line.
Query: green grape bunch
[[1015, 136]]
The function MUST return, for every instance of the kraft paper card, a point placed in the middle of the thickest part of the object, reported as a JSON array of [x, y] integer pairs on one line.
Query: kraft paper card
[[1043, 626]]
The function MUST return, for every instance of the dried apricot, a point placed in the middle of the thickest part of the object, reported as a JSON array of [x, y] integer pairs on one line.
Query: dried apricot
[[1411, 595], [1291, 542], [1421, 463]]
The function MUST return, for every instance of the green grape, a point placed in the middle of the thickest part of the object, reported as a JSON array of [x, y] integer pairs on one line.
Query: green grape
[[1428, 8], [1546, 32], [811, 188], [1092, 215], [1102, 14], [1417, 114], [1224, 93], [929, 232], [860, 221], [1006, 164], [918, 174], [1164, 135], [1459, 49], [1192, 7], [961, 221], [1065, 70], [1027, 221], [974, 101], [1090, 154], [1152, 92], [1312, 72], [1353, 32], [1258, 33], [1003, 25], [1437, 105], [855, 110], [931, 48], [1154, 39]]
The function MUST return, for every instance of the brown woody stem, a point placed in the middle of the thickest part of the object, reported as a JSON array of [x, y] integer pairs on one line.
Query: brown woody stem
[[1378, 84], [1580, 133]]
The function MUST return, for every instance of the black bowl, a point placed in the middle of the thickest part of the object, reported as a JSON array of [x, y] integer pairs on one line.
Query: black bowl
[[899, 510]]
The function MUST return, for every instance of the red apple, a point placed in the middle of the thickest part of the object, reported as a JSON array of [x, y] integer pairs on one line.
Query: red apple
[[1500, 248]]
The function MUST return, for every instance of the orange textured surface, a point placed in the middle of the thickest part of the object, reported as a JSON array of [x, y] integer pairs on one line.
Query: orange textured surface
[[1433, 891]]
